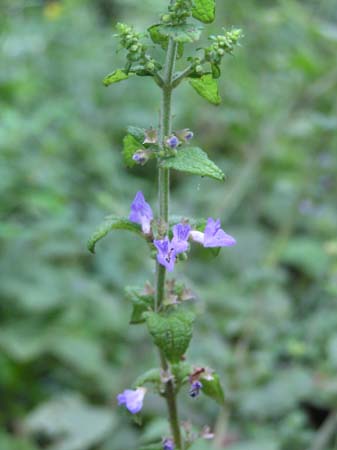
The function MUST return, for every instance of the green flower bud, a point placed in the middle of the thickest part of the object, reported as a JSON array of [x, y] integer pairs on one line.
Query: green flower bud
[[150, 66], [134, 48], [166, 18], [199, 68], [221, 52]]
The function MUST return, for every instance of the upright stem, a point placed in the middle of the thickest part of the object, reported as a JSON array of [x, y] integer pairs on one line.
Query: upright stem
[[163, 197]]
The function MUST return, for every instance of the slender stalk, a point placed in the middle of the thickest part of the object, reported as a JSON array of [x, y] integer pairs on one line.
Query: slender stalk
[[163, 197]]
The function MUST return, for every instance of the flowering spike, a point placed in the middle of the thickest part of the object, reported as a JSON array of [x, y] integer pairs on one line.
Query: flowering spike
[[132, 399], [141, 213]]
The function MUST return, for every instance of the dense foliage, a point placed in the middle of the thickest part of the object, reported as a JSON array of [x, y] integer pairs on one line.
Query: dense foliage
[[271, 319]]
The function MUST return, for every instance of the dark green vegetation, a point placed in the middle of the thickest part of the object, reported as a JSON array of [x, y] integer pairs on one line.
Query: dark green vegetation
[[268, 309]]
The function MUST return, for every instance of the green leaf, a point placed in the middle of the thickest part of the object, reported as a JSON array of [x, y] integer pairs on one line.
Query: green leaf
[[112, 223], [194, 160], [158, 446], [162, 39], [130, 146], [141, 304], [115, 77], [212, 388], [204, 10], [183, 34], [207, 87], [150, 376], [171, 332], [137, 133]]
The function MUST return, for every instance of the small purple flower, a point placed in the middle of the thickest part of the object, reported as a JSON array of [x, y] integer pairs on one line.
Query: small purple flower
[[168, 444], [185, 135], [166, 255], [173, 141], [213, 236], [132, 399], [195, 389], [141, 213], [181, 234], [141, 157]]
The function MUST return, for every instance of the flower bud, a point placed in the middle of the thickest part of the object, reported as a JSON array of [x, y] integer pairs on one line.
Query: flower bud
[[199, 68], [141, 157], [166, 18]]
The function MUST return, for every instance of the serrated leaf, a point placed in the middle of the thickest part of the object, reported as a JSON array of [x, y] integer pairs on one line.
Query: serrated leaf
[[204, 10], [130, 146], [112, 223], [150, 376], [137, 133], [141, 304], [212, 388], [185, 33], [162, 39], [171, 332], [207, 87], [194, 160], [115, 77]]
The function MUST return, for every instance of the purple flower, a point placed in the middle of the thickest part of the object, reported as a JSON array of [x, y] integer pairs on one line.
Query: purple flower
[[166, 255], [141, 157], [133, 400], [195, 389], [185, 135], [141, 213], [181, 234], [168, 444], [213, 236], [173, 141]]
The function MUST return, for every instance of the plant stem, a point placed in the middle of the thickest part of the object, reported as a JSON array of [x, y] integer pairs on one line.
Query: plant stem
[[163, 197]]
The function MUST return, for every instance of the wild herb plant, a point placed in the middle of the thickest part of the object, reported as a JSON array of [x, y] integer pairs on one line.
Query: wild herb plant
[[164, 307]]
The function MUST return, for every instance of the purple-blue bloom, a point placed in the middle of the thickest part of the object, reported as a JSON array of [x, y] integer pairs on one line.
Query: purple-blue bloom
[[141, 213], [195, 389], [173, 141], [213, 235], [132, 399], [140, 157], [181, 234], [168, 444], [166, 255], [185, 135]]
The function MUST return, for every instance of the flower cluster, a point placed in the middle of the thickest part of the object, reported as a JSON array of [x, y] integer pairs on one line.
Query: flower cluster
[[151, 143], [179, 11], [222, 44], [136, 49], [168, 249]]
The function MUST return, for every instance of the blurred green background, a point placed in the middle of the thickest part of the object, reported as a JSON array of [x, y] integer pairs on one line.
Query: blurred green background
[[267, 308]]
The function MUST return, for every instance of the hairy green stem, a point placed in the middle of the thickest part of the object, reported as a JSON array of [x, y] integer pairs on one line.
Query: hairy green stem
[[163, 197]]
